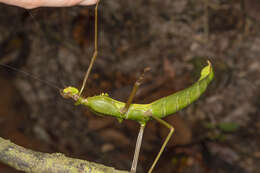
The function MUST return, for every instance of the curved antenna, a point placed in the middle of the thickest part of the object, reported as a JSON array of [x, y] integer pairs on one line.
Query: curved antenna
[[95, 51]]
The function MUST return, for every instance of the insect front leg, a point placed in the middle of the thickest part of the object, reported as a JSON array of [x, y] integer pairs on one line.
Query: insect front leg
[[95, 51], [137, 148], [164, 143]]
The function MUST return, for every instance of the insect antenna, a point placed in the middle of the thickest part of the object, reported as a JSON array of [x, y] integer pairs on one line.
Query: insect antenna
[[54, 40], [26, 74]]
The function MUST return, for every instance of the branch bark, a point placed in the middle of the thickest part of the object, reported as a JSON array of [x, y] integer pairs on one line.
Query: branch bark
[[31, 161]]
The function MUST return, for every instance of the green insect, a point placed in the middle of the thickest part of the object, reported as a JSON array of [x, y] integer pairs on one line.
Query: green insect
[[142, 113], [104, 105]]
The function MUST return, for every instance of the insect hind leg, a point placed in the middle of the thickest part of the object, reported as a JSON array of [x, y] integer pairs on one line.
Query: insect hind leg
[[161, 121]]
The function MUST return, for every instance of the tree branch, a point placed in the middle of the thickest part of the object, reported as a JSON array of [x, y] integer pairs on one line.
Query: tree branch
[[31, 161]]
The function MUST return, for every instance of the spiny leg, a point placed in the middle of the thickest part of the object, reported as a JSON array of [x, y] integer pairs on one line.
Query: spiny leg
[[95, 51], [137, 148], [164, 143], [134, 90]]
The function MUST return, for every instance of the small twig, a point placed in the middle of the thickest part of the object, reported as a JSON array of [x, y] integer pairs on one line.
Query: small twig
[[31, 161]]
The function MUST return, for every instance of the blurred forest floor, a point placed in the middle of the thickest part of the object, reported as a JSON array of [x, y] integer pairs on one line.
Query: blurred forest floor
[[217, 134]]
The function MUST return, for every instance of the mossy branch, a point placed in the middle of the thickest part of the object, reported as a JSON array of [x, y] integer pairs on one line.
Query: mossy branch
[[31, 161]]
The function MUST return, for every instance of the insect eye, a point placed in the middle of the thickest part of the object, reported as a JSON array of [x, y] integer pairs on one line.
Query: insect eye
[[64, 94]]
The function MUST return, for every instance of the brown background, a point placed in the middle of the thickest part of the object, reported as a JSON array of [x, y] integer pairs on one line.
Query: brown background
[[54, 45]]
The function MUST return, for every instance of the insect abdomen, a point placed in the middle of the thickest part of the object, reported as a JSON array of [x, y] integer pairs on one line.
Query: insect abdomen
[[177, 101]]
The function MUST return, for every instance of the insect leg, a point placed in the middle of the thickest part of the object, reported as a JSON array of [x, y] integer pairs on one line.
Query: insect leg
[[95, 51], [164, 143], [133, 92], [137, 148]]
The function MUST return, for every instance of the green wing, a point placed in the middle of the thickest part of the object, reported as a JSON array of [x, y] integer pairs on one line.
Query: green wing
[[177, 101]]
